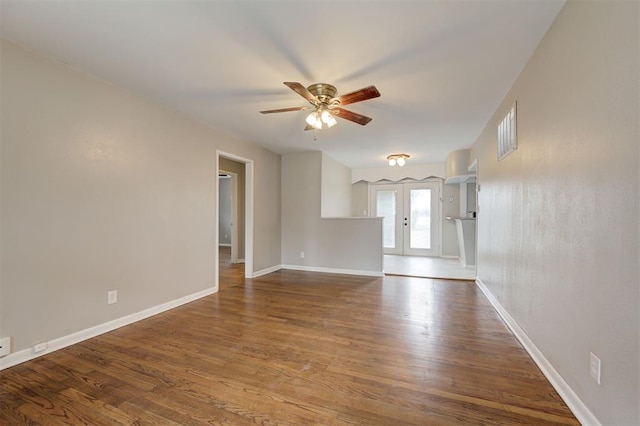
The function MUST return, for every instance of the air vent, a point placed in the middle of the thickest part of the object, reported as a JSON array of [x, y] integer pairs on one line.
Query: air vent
[[507, 135]]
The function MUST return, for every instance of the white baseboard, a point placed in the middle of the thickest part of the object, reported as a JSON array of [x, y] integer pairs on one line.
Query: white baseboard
[[333, 270], [575, 404], [77, 337], [224, 245], [446, 256], [266, 271]]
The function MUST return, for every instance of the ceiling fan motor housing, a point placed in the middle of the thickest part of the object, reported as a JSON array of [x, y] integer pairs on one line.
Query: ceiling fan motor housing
[[324, 92]]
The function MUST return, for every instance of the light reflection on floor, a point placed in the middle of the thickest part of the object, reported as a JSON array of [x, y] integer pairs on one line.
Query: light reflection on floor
[[430, 267], [432, 312]]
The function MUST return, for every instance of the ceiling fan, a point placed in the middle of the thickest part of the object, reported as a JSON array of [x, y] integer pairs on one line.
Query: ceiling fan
[[326, 106]]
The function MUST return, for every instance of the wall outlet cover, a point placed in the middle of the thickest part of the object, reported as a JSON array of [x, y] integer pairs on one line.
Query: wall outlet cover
[[39, 347], [112, 297], [5, 346]]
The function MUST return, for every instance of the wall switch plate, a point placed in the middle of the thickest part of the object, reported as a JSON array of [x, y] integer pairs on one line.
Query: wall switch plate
[[112, 297], [595, 367], [5, 346], [39, 347]]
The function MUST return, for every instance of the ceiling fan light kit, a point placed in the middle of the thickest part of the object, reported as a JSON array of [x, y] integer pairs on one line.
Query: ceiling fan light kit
[[326, 105], [319, 117], [399, 159]]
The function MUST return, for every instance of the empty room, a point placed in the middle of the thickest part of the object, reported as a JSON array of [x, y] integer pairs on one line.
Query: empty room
[[320, 212]]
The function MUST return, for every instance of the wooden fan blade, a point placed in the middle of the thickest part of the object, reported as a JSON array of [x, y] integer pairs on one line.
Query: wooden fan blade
[[307, 127], [359, 95], [270, 111], [302, 91], [350, 115]]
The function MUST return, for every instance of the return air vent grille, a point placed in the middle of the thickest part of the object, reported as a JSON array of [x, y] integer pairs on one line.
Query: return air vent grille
[[507, 135]]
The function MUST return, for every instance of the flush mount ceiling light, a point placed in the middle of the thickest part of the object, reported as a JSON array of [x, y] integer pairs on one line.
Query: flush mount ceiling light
[[399, 159]]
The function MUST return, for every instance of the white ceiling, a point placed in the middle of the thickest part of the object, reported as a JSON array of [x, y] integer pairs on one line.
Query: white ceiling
[[442, 67]]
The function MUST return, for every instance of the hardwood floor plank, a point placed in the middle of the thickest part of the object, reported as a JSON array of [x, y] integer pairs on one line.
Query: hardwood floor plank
[[296, 348], [10, 414], [145, 416], [95, 411]]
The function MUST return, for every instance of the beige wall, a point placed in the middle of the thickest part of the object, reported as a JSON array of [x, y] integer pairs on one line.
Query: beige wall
[[102, 190], [558, 220], [450, 207], [360, 199], [335, 188], [225, 206], [353, 244]]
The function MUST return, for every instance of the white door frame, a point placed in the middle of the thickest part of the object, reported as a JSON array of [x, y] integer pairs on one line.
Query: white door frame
[[437, 221], [400, 220], [248, 219]]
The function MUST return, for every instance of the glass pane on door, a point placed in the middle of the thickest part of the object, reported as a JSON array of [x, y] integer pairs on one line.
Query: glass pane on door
[[386, 207], [420, 219]]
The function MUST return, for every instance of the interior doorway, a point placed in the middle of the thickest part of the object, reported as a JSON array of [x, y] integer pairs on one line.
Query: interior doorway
[[242, 222], [411, 212], [228, 221]]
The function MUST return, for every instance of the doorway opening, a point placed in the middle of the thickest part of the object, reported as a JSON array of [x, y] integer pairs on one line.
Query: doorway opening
[[228, 210], [241, 226]]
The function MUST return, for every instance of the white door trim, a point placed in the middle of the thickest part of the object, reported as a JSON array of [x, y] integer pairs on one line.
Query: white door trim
[[437, 221], [401, 185]]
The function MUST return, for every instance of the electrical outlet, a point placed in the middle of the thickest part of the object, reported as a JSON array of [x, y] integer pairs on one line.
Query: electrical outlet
[[5, 346], [112, 297], [595, 367], [39, 347], [301, 255]]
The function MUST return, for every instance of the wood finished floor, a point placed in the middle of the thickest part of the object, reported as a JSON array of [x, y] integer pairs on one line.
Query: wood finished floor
[[295, 348]]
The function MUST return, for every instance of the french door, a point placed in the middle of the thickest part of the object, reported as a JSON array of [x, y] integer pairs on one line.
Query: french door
[[411, 224]]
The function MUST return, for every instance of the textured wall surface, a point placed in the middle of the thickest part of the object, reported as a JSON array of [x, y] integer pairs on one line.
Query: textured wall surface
[[225, 206], [558, 221], [102, 190]]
